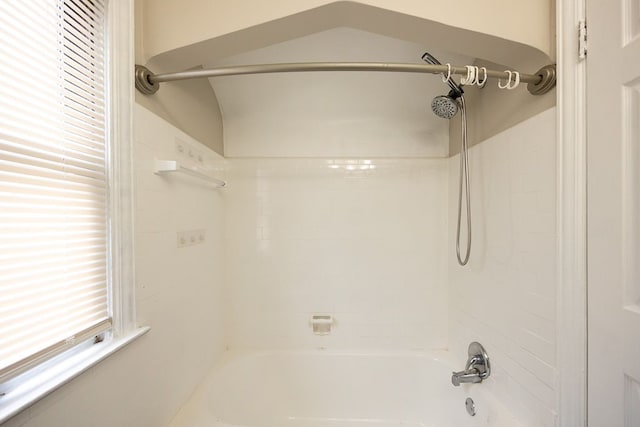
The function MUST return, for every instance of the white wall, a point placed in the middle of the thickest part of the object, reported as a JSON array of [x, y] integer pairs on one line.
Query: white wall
[[506, 297], [179, 35], [337, 236], [333, 114], [192, 21], [178, 295]]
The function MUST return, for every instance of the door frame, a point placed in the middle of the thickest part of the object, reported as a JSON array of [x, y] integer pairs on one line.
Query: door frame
[[571, 131]]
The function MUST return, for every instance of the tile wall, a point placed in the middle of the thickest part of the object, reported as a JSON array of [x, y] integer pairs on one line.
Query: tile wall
[[178, 286], [361, 239], [506, 297]]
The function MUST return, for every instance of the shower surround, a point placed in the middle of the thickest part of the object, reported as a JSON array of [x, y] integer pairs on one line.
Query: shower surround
[[362, 239], [371, 242]]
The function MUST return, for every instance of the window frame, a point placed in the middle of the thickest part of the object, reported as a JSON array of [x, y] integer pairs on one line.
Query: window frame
[[120, 54], [24, 390]]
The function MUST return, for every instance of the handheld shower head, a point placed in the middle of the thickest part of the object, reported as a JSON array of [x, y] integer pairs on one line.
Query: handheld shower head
[[444, 107]]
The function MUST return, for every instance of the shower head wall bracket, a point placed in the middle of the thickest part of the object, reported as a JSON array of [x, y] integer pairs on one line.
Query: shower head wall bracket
[[547, 80]]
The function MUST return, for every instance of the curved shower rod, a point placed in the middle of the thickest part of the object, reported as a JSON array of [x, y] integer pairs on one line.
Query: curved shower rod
[[148, 83]]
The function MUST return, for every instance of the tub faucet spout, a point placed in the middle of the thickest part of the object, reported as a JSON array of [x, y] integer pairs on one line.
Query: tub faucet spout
[[467, 376], [476, 369]]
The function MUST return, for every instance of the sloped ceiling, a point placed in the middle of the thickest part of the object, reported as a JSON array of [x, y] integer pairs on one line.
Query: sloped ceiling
[[175, 33], [333, 114]]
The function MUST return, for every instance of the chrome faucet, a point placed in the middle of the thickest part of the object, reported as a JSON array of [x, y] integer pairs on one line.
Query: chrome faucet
[[477, 367]]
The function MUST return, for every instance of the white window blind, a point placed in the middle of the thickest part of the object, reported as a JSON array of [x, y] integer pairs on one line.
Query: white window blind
[[54, 289]]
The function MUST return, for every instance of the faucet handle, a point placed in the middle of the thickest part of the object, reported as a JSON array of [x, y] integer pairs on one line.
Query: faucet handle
[[478, 360], [477, 368], [472, 361]]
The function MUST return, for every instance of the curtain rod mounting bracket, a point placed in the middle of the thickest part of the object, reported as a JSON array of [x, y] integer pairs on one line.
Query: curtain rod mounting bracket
[[143, 82], [547, 80]]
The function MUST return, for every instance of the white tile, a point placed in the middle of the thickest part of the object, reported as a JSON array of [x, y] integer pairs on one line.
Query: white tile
[[178, 295], [505, 297], [367, 245]]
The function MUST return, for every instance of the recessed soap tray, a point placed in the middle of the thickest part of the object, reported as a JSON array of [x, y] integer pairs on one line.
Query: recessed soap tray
[[321, 323]]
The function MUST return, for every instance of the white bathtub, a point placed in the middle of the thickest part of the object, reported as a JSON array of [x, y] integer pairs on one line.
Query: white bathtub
[[327, 389]]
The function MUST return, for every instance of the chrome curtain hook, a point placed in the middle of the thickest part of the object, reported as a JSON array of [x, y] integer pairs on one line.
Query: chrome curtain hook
[[516, 81], [506, 85], [482, 82]]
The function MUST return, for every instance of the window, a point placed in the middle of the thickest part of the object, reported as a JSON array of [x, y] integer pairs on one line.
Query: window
[[59, 210]]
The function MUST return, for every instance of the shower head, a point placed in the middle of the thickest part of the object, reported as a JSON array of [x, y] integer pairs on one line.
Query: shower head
[[444, 106]]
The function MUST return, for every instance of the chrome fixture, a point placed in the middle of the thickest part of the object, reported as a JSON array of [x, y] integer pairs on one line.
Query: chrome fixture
[[444, 106], [477, 368], [471, 406], [464, 186]]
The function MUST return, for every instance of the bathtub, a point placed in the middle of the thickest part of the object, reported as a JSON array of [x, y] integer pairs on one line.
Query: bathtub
[[321, 388]]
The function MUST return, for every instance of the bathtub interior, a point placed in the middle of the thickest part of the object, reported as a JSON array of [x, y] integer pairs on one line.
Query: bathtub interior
[[328, 389]]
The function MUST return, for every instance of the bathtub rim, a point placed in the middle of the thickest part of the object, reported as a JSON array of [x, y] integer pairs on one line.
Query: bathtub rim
[[231, 357]]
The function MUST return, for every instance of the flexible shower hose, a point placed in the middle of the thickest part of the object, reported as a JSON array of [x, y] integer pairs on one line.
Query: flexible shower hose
[[464, 179]]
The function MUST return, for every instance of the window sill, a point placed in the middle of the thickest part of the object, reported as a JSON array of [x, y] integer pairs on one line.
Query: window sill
[[39, 385]]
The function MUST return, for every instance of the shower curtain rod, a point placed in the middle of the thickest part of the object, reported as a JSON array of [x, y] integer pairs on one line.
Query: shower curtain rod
[[148, 83]]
